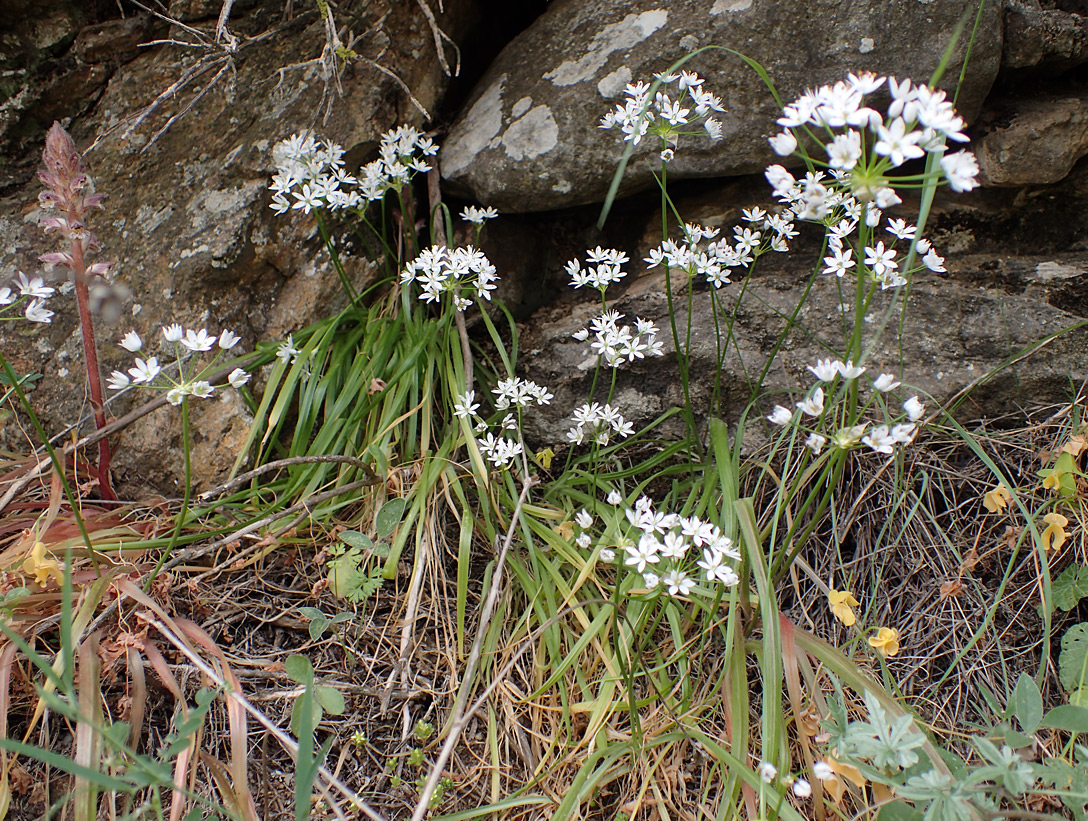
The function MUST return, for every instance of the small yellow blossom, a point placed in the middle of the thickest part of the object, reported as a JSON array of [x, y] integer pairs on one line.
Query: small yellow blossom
[[886, 641], [1053, 481], [841, 601], [544, 458], [1054, 535], [997, 499], [41, 568]]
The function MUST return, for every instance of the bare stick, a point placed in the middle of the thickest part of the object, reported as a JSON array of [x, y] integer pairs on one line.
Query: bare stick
[[459, 716], [238, 481]]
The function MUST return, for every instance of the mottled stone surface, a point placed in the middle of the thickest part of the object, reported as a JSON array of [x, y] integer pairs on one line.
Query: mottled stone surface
[[1033, 140], [1044, 40], [528, 139], [187, 219]]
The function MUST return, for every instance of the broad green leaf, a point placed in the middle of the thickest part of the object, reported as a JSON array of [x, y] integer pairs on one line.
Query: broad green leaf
[[331, 699], [389, 517], [353, 538], [1067, 717], [1028, 703], [1079, 697], [1073, 661], [1070, 587], [310, 612], [298, 667], [317, 627], [898, 811]]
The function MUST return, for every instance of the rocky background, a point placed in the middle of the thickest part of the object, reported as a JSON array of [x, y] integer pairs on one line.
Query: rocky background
[[178, 117]]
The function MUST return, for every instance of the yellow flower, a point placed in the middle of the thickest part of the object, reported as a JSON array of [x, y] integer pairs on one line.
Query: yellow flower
[[997, 499], [886, 641], [1053, 480], [41, 568], [1054, 535], [544, 458], [841, 601]]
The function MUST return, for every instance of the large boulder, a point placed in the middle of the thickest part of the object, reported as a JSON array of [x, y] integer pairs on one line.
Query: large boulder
[[187, 216], [529, 139], [1016, 274]]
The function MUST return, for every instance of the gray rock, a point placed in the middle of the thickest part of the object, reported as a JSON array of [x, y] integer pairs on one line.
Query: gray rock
[[187, 219], [1037, 140], [529, 139], [1047, 41]]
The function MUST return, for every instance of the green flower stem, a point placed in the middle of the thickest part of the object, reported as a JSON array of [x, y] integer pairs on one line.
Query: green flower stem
[[187, 491], [340, 272], [73, 502]]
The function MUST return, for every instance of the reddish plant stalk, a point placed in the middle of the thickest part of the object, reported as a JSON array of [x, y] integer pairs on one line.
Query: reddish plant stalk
[[70, 192]]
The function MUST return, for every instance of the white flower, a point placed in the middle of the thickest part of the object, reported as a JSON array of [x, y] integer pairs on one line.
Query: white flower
[[961, 169], [642, 554], [37, 312], [465, 405], [933, 261], [885, 382], [607, 555], [237, 378], [879, 439], [175, 395], [815, 443], [198, 340], [584, 519], [780, 416], [132, 342], [287, 350], [783, 144], [227, 340], [34, 287], [145, 370], [813, 405], [678, 582], [117, 381], [822, 770], [801, 788], [915, 409], [614, 498], [201, 389], [767, 771], [825, 369], [583, 541], [898, 144], [651, 580], [173, 333], [6, 297], [848, 371]]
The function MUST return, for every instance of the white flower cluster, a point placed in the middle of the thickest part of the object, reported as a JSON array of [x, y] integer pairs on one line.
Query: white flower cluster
[[313, 173], [34, 292], [598, 423], [665, 117], [439, 270], [918, 121], [810, 199], [764, 232], [145, 372], [603, 268], [879, 438], [478, 216], [520, 393], [669, 551], [502, 450], [617, 343]]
